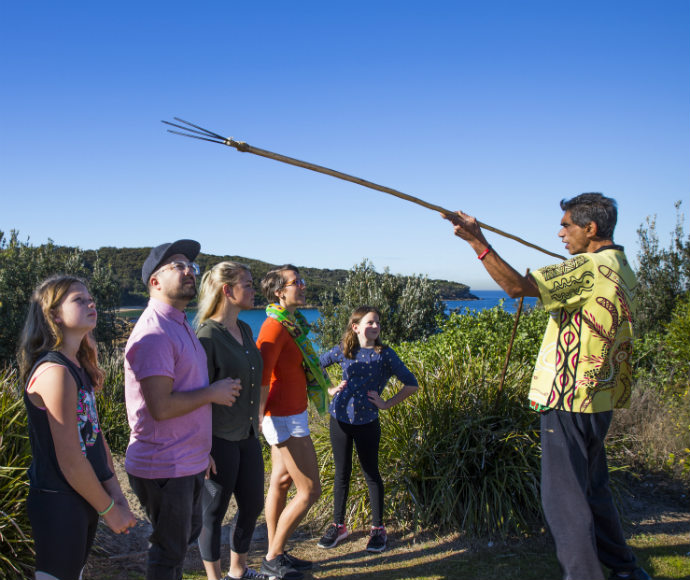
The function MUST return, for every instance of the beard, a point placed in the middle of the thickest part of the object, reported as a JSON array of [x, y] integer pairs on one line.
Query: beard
[[184, 291]]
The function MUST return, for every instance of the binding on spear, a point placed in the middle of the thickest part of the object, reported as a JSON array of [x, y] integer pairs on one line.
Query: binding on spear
[[196, 132]]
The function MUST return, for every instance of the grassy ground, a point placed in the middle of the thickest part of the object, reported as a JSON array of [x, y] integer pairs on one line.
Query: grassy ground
[[657, 520]]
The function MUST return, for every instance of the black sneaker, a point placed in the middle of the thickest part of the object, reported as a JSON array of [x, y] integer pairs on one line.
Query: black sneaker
[[248, 574], [279, 568], [333, 535], [298, 564], [377, 539], [636, 574]]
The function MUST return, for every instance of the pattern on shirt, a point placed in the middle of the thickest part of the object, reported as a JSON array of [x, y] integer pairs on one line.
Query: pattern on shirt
[[87, 418], [557, 270], [567, 353], [573, 286], [605, 374]]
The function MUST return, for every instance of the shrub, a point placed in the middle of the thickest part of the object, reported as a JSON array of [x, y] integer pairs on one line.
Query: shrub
[[23, 267], [663, 274], [16, 544], [112, 411], [678, 342], [654, 433], [410, 306], [459, 455]]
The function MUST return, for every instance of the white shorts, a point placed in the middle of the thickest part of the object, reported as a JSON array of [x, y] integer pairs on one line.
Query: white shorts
[[279, 429]]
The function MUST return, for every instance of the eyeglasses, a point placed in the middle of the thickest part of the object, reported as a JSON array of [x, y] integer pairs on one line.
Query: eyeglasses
[[182, 266], [299, 282]]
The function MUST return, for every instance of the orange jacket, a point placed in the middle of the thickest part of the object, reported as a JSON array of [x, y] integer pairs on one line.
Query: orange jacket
[[283, 370]]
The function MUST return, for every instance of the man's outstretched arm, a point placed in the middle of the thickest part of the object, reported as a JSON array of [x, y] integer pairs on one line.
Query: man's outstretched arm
[[512, 282]]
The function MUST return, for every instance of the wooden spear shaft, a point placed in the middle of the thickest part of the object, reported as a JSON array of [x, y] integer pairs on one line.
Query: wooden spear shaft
[[512, 340], [246, 148]]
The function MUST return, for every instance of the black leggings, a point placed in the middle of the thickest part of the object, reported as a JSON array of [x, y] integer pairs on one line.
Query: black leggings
[[63, 525], [366, 439], [240, 470]]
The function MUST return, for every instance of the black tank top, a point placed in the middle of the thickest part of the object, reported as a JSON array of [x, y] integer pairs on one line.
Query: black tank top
[[44, 472]]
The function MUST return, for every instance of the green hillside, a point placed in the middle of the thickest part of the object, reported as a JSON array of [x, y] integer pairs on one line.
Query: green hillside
[[126, 264]]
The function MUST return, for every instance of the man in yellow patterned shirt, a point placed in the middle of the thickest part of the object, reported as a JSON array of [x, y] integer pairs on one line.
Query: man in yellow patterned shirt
[[583, 372]]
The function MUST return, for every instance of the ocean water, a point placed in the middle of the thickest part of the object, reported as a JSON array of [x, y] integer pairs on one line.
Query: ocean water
[[487, 299], [255, 318]]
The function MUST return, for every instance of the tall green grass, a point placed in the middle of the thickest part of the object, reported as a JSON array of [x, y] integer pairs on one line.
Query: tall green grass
[[112, 411], [16, 545]]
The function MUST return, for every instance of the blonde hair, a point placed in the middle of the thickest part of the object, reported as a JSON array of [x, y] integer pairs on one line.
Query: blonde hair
[[350, 344], [211, 288], [274, 281], [41, 334]]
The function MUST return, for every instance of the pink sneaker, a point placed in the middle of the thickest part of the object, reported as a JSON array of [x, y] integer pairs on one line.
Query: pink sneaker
[[377, 539], [333, 535]]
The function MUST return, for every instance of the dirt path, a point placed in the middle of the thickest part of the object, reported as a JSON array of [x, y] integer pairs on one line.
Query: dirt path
[[653, 507]]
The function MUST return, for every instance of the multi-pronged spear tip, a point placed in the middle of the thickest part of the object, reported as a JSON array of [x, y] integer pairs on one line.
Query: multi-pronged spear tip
[[196, 133]]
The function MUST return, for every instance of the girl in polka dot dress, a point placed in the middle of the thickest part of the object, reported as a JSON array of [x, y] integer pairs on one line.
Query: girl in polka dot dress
[[367, 366]]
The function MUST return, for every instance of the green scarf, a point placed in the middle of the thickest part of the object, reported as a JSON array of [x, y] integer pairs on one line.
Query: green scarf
[[297, 326]]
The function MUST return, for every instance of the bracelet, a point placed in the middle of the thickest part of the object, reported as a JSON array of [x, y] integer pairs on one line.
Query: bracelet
[[485, 253], [106, 510]]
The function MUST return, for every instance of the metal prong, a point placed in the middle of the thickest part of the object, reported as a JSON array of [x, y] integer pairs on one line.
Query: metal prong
[[210, 133], [197, 137], [204, 133]]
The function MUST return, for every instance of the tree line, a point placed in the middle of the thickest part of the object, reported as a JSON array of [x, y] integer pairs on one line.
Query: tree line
[[114, 278]]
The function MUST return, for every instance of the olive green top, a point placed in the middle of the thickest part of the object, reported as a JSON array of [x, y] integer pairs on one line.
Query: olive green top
[[228, 358]]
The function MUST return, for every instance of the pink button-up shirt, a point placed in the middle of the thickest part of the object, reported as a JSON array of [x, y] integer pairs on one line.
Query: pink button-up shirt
[[163, 344]]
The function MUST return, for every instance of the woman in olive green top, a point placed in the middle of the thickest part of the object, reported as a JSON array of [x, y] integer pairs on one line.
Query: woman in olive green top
[[227, 289]]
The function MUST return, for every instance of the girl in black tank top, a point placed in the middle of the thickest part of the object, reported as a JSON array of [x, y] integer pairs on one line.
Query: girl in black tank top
[[71, 474]]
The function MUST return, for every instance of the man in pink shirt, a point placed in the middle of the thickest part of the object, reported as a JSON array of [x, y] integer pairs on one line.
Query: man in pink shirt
[[169, 400]]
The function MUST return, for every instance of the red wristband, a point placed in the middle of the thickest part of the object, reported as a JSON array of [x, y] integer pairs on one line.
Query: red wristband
[[484, 254]]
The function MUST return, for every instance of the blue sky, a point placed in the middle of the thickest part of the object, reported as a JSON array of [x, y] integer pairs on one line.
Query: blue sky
[[499, 108]]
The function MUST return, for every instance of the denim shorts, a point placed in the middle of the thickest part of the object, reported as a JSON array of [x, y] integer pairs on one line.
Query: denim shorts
[[276, 430]]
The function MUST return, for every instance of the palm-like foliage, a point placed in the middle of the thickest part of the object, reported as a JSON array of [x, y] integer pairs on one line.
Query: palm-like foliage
[[112, 412], [16, 545]]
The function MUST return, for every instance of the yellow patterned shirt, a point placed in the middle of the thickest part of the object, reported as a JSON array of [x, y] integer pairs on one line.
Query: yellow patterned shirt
[[584, 362]]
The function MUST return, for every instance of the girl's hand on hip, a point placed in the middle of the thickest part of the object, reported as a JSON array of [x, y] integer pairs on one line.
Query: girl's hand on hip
[[376, 400]]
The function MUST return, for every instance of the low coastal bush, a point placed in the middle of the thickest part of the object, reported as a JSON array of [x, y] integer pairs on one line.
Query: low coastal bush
[[654, 434], [16, 544], [112, 412]]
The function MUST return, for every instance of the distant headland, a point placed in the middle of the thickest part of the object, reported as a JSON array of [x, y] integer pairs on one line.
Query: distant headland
[[126, 265]]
